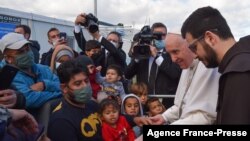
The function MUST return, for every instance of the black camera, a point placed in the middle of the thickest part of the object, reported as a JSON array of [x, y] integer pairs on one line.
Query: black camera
[[142, 40], [91, 23]]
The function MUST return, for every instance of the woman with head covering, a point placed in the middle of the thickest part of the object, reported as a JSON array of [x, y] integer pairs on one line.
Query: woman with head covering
[[61, 54], [88, 62]]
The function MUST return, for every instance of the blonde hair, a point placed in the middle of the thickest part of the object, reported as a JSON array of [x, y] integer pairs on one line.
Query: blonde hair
[[139, 88]]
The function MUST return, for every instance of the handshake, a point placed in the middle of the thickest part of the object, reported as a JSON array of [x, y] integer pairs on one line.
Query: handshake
[[155, 120]]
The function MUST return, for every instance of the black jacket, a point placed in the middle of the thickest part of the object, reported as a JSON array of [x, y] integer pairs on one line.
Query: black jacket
[[35, 47], [167, 78], [46, 57], [115, 56], [234, 91]]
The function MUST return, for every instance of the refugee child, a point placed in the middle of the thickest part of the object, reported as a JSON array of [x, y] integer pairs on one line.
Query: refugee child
[[114, 126], [154, 107], [140, 89], [112, 87], [131, 105]]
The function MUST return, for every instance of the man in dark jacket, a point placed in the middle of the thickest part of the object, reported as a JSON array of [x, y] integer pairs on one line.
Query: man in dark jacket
[[157, 71], [35, 46], [111, 52], [53, 39], [211, 39]]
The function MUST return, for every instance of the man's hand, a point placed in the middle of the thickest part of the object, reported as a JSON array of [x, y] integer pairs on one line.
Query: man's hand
[[157, 120], [80, 19], [153, 50], [139, 121], [39, 86], [8, 98], [96, 35], [23, 120]]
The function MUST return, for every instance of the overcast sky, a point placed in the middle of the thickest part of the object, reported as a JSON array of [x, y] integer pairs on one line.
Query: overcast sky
[[137, 13]]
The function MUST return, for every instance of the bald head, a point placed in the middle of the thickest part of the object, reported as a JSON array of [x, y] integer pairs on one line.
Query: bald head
[[177, 47], [174, 39]]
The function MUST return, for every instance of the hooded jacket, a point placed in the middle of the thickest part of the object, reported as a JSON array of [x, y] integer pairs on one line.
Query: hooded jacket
[[55, 53], [136, 129], [123, 104], [234, 91]]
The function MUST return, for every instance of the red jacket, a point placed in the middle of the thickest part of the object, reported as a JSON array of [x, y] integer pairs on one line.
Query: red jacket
[[94, 85], [122, 132]]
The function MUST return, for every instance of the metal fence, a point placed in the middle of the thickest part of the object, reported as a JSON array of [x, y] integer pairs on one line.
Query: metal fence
[[162, 96]]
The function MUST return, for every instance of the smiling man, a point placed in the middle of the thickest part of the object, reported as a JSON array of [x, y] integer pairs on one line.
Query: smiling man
[[196, 95]]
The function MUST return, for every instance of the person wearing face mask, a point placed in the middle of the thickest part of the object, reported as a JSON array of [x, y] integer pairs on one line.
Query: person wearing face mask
[[158, 71], [93, 51], [88, 62], [36, 82], [111, 52], [54, 40], [35, 46], [75, 118], [61, 54]]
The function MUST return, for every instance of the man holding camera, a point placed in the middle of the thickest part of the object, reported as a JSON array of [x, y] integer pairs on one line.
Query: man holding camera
[[111, 53], [158, 71], [54, 39]]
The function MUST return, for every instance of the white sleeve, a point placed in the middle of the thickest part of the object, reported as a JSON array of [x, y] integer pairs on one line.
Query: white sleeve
[[171, 114], [77, 28], [196, 118]]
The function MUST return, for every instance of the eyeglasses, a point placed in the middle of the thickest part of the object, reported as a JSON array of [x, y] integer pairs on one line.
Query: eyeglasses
[[193, 45]]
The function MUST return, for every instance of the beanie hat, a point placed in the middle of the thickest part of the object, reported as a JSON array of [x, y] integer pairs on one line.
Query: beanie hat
[[84, 60]]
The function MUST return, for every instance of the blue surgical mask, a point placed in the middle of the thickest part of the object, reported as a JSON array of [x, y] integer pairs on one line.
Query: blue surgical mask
[[160, 44], [83, 95], [25, 60]]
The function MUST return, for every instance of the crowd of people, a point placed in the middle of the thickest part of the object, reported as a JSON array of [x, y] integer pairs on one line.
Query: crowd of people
[[91, 95]]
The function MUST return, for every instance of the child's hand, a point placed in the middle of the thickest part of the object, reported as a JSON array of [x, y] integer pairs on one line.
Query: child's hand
[[98, 68], [119, 100]]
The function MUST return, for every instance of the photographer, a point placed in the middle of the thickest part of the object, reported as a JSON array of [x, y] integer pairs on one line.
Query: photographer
[[157, 70], [55, 38], [111, 53]]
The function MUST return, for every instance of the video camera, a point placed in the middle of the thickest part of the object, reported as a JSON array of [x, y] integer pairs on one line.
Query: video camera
[[91, 23], [144, 38]]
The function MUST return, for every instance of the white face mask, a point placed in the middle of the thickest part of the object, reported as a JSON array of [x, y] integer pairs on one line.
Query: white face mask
[[57, 64], [115, 44], [54, 42]]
